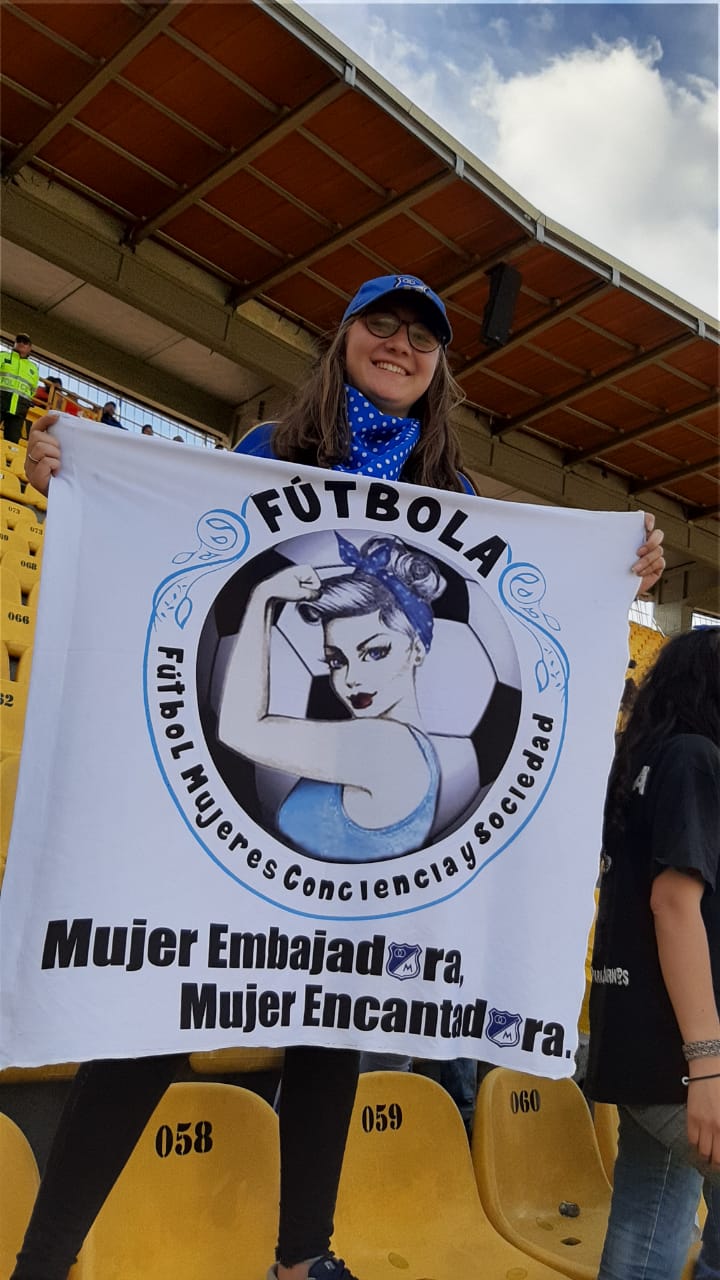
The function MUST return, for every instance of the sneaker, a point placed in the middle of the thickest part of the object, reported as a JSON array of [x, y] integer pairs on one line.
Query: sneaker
[[327, 1267]]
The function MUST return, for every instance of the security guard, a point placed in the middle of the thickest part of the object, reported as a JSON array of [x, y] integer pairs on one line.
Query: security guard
[[19, 377]]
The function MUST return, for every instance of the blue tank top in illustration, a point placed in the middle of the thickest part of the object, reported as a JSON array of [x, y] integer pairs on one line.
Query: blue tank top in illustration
[[313, 819]]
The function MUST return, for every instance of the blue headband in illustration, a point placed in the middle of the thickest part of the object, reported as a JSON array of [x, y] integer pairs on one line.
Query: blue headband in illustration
[[419, 614]]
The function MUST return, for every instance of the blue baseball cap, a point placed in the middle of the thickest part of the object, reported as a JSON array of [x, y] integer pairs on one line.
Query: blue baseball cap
[[405, 288]]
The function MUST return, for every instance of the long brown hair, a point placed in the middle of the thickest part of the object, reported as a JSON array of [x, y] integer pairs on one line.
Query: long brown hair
[[680, 694], [315, 429]]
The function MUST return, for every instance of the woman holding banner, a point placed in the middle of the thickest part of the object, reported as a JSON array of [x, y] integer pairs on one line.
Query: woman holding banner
[[378, 404], [654, 1021]]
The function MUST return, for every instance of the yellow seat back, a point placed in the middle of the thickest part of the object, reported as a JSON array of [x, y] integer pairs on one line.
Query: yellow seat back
[[198, 1196], [13, 703], [539, 1171], [228, 1061], [408, 1204], [19, 1181]]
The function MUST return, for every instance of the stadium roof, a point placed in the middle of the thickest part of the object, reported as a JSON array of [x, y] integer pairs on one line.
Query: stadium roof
[[241, 155]]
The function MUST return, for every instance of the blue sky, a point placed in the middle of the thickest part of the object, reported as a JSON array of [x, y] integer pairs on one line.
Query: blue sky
[[602, 115]]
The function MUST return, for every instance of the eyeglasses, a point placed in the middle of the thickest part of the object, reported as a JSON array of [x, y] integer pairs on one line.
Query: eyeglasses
[[383, 324]]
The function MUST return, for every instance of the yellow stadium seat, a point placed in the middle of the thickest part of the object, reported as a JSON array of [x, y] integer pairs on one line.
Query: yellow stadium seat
[[17, 620], [15, 516], [19, 1181], [31, 1075], [408, 1204], [224, 1061], [17, 662], [36, 538], [25, 567], [9, 766], [12, 458], [10, 486], [13, 702], [645, 645], [539, 1171], [14, 540], [198, 1196], [34, 498]]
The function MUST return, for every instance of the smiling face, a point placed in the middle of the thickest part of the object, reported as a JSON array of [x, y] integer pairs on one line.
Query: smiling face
[[389, 371], [372, 668]]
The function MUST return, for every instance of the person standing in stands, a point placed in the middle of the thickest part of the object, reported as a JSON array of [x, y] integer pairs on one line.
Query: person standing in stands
[[654, 1023], [146, 429], [108, 416], [19, 377], [380, 396]]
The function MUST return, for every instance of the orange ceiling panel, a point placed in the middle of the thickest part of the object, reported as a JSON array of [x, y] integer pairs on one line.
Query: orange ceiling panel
[[699, 360], [313, 177], [605, 405], [404, 241], [591, 351], [683, 443], [498, 398], [262, 210], [113, 177], [466, 215], [249, 44], [568, 430], [122, 118], [33, 60], [557, 279], [660, 387], [532, 370], [345, 268], [310, 296], [375, 144], [97, 29], [233, 253], [199, 93], [699, 490], [634, 320], [21, 118]]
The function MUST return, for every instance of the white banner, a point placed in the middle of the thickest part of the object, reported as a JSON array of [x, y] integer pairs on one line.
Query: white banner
[[309, 758]]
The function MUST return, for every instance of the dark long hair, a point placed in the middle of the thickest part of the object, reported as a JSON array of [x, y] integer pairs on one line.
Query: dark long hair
[[315, 429], [680, 694]]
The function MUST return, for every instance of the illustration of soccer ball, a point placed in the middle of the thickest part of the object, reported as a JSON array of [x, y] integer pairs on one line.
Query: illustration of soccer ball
[[468, 687]]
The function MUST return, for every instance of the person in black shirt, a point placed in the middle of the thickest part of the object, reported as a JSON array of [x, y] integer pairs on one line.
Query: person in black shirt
[[654, 1024], [109, 416]]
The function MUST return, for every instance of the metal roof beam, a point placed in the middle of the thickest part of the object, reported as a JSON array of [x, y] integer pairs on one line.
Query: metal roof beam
[[228, 167], [593, 384], [658, 482], [157, 21], [628, 437], [352, 232]]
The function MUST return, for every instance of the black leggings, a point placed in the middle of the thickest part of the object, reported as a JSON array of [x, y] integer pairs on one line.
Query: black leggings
[[108, 1108]]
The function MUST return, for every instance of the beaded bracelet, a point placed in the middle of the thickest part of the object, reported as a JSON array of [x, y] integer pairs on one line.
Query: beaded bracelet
[[701, 1049], [691, 1079]]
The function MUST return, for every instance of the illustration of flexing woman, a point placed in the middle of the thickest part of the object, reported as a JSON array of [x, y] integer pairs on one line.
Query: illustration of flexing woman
[[377, 620]]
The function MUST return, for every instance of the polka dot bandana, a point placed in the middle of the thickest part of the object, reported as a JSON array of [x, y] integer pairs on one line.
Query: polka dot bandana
[[380, 444]]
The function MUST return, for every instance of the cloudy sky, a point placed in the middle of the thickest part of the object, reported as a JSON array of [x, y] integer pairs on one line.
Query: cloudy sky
[[604, 116]]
